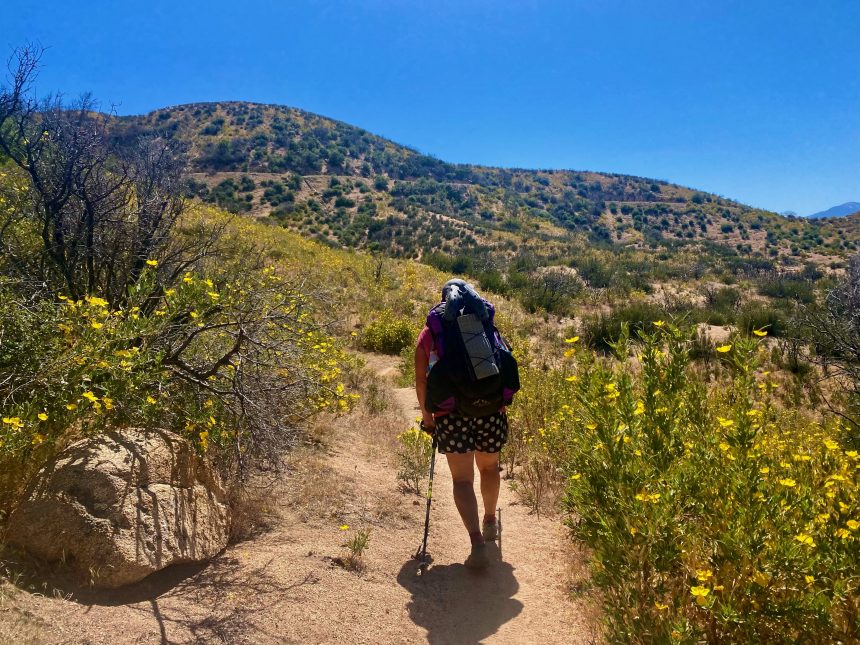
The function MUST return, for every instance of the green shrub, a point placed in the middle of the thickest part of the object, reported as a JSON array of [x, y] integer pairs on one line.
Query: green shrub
[[710, 514], [413, 458], [788, 288], [234, 366], [601, 331], [763, 316], [388, 334]]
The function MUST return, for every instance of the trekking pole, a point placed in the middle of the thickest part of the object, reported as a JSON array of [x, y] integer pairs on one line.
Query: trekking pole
[[421, 554], [499, 539]]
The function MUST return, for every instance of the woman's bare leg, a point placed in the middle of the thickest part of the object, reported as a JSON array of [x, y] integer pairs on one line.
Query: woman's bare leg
[[488, 467], [462, 466]]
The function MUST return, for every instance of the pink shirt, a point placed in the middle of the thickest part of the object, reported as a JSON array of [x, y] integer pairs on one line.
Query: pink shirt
[[425, 341]]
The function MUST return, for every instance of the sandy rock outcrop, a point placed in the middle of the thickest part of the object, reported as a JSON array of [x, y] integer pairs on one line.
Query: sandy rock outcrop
[[123, 505]]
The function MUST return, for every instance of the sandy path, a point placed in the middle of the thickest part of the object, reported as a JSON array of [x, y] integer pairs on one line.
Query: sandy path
[[282, 587]]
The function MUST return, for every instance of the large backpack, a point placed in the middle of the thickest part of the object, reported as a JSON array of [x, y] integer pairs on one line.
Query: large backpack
[[459, 381]]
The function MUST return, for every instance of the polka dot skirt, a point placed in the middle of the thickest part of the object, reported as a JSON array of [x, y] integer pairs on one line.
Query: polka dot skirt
[[466, 434]]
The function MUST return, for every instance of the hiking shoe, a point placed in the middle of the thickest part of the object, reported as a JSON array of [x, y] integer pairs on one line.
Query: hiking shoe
[[490, 531], [478, 558]]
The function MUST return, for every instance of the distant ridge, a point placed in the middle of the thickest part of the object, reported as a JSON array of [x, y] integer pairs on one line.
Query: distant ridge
[[838, 211], [347, 187]]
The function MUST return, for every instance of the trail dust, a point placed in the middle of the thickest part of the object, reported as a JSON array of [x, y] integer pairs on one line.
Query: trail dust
[[284, 585]]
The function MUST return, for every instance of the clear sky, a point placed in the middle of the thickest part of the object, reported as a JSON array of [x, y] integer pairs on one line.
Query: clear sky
[[757, 100]]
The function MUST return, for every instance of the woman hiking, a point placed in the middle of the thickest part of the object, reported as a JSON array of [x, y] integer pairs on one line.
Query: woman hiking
[[462, 394]]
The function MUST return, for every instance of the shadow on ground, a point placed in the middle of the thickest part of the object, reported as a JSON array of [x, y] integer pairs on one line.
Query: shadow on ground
[[221, 601], [458, 606]]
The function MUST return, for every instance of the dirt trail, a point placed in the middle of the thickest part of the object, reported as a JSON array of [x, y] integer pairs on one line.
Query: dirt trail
[[283, 586]]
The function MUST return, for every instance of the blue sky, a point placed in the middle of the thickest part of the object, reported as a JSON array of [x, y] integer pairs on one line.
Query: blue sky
[[755, 100]]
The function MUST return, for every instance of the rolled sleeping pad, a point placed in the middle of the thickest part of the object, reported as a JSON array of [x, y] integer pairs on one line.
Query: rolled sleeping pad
[[478, 347]]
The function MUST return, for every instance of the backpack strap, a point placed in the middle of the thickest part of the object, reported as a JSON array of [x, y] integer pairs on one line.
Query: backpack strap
[[437, 329]]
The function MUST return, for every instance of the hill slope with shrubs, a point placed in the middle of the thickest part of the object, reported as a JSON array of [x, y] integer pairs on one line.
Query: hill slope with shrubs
[[349, 187]]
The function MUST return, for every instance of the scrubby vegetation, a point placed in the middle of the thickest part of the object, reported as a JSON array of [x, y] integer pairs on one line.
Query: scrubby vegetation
[[413, 458], [502, 227], [123, 306], [714, 483], [711, 509]]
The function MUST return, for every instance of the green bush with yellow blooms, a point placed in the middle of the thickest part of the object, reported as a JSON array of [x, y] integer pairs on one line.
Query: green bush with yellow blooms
[[710, 511], [234, 362]]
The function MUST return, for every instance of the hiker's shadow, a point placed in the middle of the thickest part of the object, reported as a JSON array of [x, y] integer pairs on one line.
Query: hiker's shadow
[[458, 606]]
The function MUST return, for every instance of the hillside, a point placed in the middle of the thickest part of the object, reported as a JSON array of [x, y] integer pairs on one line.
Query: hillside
[[348, 187]]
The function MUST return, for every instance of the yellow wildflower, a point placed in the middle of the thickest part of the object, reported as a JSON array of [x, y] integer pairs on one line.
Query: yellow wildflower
[[803, 538], [43, 416], [788, 482], [761, 578], [722, 349], [572, 339], [344, 527], [760, 332], [152, 263]]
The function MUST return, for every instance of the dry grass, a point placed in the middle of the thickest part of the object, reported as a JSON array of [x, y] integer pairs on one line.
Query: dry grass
[[16, 624], [18, 627], [380, 433], [578, 586], [314, 489], [252, 509]]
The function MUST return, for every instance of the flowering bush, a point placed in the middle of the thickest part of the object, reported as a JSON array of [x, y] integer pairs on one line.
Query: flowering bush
[[413, 457], [710, 512], [234, 365], [388, 334]]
